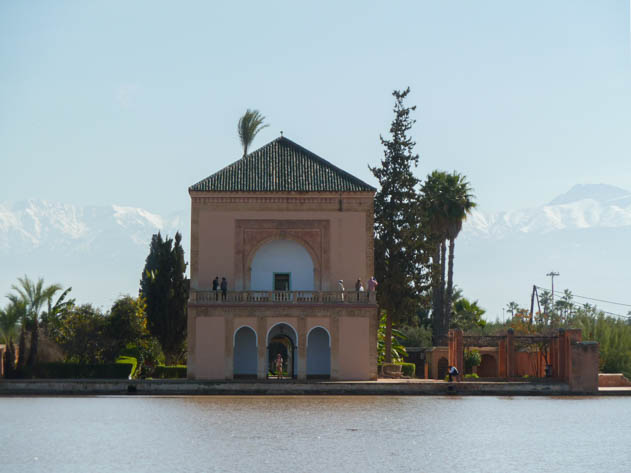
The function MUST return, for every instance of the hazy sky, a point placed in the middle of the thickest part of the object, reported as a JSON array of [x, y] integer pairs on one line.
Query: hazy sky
[[132, 102]]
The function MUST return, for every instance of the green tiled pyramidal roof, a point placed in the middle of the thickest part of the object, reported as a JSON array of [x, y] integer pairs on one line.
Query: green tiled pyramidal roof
[[282, 166]]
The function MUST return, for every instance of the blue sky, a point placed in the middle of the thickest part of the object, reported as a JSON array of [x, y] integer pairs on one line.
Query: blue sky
[[131, 102]]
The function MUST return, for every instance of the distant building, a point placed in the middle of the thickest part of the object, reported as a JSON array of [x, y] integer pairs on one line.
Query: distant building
[[283, 226]]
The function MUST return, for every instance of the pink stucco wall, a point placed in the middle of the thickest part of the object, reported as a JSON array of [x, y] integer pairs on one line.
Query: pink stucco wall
[[347, 244], [354, 351], [210, 348]]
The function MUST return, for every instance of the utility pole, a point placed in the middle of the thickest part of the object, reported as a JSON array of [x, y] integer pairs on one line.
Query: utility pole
[[552, 274]]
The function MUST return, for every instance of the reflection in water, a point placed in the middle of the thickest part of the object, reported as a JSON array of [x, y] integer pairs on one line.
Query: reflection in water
[[314, 434]]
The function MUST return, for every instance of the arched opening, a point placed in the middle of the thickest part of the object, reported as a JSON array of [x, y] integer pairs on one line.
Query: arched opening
[[282, 265], [318, 353], [245, 353], [443, 365], [488, 367], [282, 340]]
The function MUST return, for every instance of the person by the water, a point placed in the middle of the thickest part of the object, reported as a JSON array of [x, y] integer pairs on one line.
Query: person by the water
[[453, 373]]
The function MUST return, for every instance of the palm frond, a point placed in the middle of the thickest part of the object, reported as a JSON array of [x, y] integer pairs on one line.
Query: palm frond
[[249, 126]]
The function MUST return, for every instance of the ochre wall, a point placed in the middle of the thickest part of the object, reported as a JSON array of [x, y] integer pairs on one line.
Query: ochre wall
[[345, 235], [354, 352], [353, 331], [210, 345]]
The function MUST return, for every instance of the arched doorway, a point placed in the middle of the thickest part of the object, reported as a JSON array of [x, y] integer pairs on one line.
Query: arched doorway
[[245, 353], [282, 339], [318, 353], [488, 367], [443, 364]]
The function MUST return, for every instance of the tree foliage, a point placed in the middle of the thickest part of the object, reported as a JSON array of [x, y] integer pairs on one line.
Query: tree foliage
[[399, 240], [35, 296], [396, 338], [249, 126], [10, 320], [164, 287], [446, 201], [467, 315]]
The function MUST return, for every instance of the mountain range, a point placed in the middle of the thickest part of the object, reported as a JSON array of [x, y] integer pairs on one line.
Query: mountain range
[[100, 250]]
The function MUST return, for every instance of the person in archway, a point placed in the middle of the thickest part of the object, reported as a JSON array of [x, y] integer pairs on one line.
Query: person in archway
[[278, 362], [453, 373], [224, 288], [340, 285]]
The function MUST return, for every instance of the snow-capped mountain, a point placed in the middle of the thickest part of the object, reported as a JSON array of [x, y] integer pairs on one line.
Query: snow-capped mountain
[[584, 234], [582, 207], [99, 251], [54, 226]]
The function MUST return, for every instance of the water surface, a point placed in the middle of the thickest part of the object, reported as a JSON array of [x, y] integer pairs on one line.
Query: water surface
[[315, 434]]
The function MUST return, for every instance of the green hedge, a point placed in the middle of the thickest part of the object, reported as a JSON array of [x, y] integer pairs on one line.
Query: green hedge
[[407, 369], [79, 371], [167, 372]]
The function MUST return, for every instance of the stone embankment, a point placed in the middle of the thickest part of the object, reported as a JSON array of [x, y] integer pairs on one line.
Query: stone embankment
[[381, 387]]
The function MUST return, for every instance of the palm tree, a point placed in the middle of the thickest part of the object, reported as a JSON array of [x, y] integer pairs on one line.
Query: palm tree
[[9, 327], [512, 307], [446, 202], [34, 295], [459, 203], [433, 209], [249, 126]]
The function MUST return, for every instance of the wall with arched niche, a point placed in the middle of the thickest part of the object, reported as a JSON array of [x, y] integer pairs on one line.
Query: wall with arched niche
[[282, 256], [245, 352], [318, 352]]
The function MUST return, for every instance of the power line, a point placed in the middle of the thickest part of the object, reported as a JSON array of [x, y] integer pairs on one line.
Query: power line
[[578, 306], [593, 299]]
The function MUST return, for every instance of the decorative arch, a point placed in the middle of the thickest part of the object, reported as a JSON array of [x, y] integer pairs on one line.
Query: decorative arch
[[250, 235], [281, 235], [281, 323], [234, 335], [323, 328]]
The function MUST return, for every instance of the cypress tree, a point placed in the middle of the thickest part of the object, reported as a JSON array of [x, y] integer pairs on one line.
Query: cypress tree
[[399, 254], [165, 289]]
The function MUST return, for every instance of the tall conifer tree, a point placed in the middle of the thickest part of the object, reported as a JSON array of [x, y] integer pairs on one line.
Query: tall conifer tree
[[165, 288], [398, 240]]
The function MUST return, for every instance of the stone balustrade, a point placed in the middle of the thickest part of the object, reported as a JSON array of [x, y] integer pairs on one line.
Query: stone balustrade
[[205, 297]]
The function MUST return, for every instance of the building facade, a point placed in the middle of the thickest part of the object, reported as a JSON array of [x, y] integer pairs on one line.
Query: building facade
[[283, 227]]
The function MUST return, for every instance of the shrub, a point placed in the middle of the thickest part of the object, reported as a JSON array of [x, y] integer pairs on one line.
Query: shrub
[[169, 372], [472, 358], [60, 370], [416, 336], [408, 369], [129, 360], [472, 375]]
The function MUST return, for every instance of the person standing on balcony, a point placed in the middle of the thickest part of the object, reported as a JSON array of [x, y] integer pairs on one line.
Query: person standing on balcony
[[216, 287], [224, 288], [340, 285], [359, 287], [372, 284]]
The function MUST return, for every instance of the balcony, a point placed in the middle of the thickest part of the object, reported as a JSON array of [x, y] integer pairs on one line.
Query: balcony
[[282, 297]]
